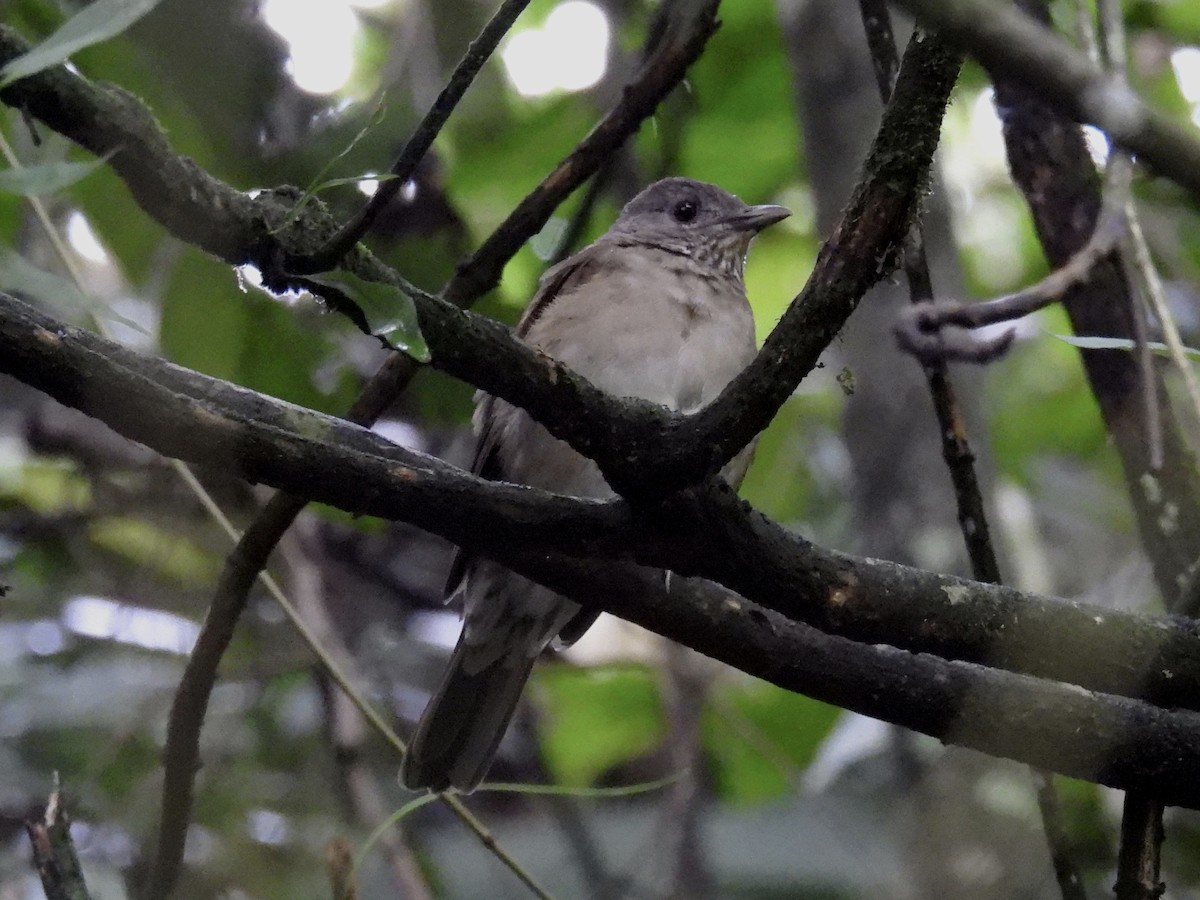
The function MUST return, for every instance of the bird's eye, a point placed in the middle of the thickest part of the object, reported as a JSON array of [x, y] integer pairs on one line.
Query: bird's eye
[[685, 211]]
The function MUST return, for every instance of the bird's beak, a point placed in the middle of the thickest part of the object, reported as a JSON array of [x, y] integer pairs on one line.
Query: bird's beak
[[756, 218]]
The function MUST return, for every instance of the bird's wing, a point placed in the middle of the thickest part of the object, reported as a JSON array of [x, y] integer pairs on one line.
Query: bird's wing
[[561, 278]]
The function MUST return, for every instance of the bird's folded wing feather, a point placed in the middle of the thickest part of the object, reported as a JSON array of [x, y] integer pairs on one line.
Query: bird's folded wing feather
[[559, 279]]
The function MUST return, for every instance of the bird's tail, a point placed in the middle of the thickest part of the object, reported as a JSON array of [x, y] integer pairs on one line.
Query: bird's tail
[[464, 722]]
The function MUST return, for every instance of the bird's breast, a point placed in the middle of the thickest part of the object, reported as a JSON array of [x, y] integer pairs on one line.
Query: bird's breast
[[664, 330], [651, 325]]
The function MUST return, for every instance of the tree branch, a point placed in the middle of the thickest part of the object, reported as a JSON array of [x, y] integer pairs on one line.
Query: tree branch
[[667, 58], [54, 854], [640, 447], [1051, 166], [418, 144], [1141, 844], [1027, 718], [1012, 45], [956, 449], [191, 416], [1042, 723]]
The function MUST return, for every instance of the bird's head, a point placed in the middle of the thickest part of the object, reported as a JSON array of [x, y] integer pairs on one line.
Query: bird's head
[[696, 219]]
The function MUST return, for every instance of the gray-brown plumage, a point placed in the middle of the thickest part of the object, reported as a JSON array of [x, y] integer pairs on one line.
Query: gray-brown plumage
[[656, 308]]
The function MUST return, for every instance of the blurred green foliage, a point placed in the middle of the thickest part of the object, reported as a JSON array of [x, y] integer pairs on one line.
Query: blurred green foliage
[[761, 738], [594, 719]]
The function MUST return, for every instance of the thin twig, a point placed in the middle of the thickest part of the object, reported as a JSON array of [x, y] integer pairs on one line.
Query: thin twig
[[181, 753], [1139, 859], [65, 256], [956, 450], [347, 728], [579, 220], [685, 688], [1152, 281], [881, 41], [920, 329], [1110, 46], [1066, 872], [567, 812], [478, 53], [339, 862], [1145, 356]]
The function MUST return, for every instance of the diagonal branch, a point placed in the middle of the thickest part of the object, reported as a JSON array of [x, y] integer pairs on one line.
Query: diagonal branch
[[402, 169], [182, 413], [639, 446], [1042, 723], [860, 251], [1119, 741], [1014, 46]]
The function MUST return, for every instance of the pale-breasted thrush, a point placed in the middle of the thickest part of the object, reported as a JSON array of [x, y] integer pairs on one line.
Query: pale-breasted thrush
[[656, 308]]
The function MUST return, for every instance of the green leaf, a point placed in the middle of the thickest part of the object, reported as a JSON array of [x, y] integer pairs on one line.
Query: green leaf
[[1108, 343], [597, 718], [48, 487], [94, 23], [760, 737], [381, 310], [34, 181], [172, 556]]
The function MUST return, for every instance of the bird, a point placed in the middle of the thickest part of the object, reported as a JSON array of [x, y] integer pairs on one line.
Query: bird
[[655, 308]]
